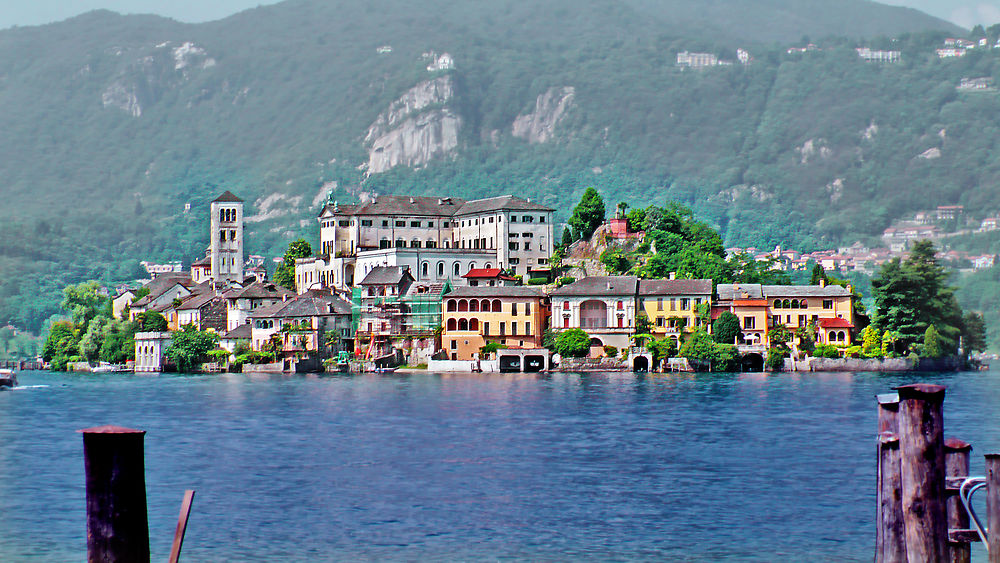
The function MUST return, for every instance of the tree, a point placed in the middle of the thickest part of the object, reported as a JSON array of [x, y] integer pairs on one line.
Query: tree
[[118, 345], [726, 328], [84, 301], [698, 346], [152, 321], [779, 336], [6, 336], [490, 347], [662, 349], [913, 294], [889, 340], [932, 343], [615, 261], [61, 345], [588, 214], [818, 275], [973, 332], [189, 347], [284, 275], [642, 324], [871, 342], [567, 237], [572, 343], [90, 343], [727, 358]]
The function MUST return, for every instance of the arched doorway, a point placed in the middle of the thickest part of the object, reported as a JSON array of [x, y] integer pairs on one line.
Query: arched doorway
[[596, 348], [640, 363], [349, 276], [752, 362]]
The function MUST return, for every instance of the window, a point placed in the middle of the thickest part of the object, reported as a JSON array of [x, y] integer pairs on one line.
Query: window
[[541, 218], [503, 328], [565, 305], [440, 269], [454, 344], [384, 243], [661, 322], [491, 219], [515, 261], [400, 243], [673, 304], [527, 246], [445, 224], [513, 328], [366, 222], [424, 269], [749, 323], [430, 244], [543, 261], [513, 309], [385, 223], [513, 218], [486, 328], [477, 221], [802, 320], [620, 305], [828, 303], [414, 243], [527, 328], [566, 321], [527, 219], [344, 223], [527, 308], [659, 303], [685, 304], [400, 223], [457, 269], [513, 246]]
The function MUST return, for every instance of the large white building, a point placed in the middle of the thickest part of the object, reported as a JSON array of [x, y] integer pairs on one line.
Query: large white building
[[436, 238]]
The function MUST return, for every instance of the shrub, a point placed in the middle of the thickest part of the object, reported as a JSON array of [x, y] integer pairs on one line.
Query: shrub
[[572, 343], [726, 328], [489, 348], [826, 351], [537, 281], [565, 280], [853, 352], [775, 359], [610, 351], [727, 358]]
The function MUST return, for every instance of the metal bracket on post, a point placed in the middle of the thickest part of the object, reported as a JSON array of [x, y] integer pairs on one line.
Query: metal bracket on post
[[965, 491]]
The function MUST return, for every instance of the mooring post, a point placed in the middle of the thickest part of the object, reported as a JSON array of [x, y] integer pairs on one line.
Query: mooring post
[[921, 448], [890, 546], [993, 506], [117, 526], [956, 463]]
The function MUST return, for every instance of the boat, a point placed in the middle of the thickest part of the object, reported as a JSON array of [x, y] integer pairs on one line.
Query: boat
[[7, 378], [105, 367], [384, 370]]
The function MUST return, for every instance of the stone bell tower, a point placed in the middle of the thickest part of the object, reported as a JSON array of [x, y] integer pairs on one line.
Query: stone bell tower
[[226, 249]]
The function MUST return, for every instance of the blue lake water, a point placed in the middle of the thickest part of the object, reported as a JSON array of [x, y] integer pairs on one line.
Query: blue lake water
[[694, 467]]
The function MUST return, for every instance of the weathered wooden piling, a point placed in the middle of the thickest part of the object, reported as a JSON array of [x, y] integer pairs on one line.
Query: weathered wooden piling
[[956, 462], [993, 506], [117, 526], [890, 546], [922, 469]]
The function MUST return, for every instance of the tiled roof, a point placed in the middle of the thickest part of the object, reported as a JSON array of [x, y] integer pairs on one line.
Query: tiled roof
[[434, 289], [384, 275], [772, 291], [675, 287], [258, 290], [599, 285], [226, 197], [730, 291], [241, 332], [836, 322], [501, 203], [434, 206], [486, 273], [496, 291], [206, 261], [196, 301], [304, 307]]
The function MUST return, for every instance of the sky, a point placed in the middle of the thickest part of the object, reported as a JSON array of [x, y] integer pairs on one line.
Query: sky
[[34, 12]]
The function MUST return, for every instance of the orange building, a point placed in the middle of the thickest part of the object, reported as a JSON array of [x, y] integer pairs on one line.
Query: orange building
[[515, 317]]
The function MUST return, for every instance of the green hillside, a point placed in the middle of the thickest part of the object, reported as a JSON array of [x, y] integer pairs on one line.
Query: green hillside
[[112, 124]]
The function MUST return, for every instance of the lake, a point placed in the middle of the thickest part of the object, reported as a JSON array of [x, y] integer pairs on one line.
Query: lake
[[432, 467]]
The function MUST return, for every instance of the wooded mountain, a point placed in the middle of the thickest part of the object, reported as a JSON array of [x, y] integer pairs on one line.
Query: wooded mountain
[[111, 124]]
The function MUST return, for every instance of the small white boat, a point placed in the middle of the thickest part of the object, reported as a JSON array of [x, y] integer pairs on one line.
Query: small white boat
[[7, 378], [105, 367]]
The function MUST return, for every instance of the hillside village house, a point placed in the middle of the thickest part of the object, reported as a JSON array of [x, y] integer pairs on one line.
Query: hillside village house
[[302, 325], [672, 306], [437, 239], [603, 306], [513, 316]]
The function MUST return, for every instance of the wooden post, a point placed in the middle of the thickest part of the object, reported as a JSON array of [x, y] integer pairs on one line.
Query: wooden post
[[117, 526], [182, 522], [921, 447], [890, 546], [993, 506], [956, 462]]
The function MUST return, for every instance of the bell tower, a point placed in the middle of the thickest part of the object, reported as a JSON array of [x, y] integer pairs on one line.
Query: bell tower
[[226, 249]]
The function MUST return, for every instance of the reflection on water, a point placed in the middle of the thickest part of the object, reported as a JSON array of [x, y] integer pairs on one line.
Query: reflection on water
[[431, 466]]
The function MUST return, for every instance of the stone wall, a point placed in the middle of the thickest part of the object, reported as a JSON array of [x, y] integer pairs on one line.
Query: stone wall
[[593, 364], [951, 363]]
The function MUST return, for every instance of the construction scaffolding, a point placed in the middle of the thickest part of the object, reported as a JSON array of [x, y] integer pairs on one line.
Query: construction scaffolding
[[379, 320]]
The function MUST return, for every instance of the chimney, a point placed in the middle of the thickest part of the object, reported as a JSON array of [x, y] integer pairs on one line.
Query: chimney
[[850, 289], [284, 297], [411, 201], [609, 285], [672, 276], [822, 282]]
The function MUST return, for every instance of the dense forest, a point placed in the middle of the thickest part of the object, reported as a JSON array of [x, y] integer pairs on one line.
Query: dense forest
[[112, 124]]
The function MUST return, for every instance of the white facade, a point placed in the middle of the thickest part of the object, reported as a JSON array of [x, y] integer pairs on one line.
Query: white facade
[[609, 318], [430, 265], [149, 348]]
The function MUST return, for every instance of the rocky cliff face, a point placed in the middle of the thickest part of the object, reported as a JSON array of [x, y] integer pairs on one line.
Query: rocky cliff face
[[550, 107], [415, 129], [147, 73]]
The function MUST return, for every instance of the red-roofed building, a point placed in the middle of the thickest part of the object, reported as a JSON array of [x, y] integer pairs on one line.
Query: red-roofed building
[[833, 330], [488, 277]]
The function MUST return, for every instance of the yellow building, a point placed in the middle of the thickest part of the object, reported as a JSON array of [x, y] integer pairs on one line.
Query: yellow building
[[515, 317], [672, 306]]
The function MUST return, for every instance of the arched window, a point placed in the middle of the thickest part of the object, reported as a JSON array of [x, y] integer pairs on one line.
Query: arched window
[[452, 305], [463, 324], [565, 305], [474, 306], [795, 304], [423, 269], [452, 324], [786, 304], [841, 336], [414, 243], [472, 265], [496, 306], [430, 243], [485, 305], [620, 306], [474, 324], [457, 269], [803, 304], [440, 269], [777, 303], [463, 305], [488, 265]]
